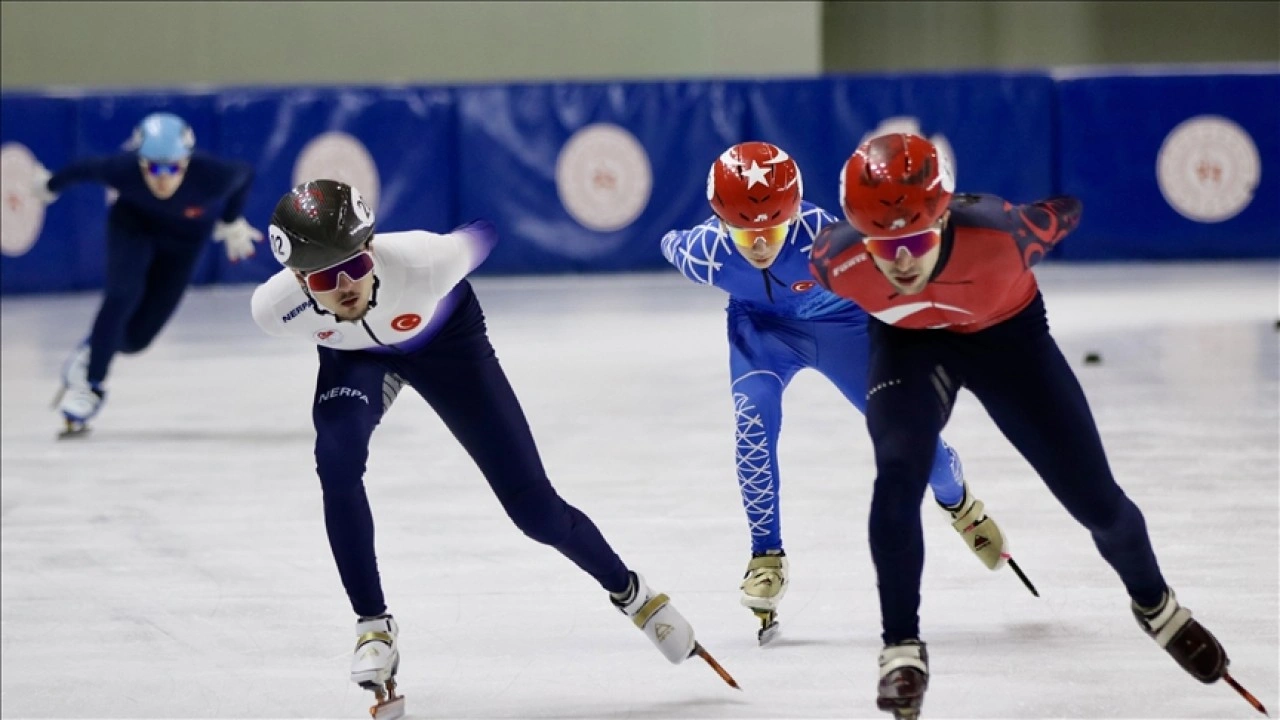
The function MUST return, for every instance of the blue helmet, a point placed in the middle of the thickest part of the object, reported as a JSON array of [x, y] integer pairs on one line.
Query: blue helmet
[[163, 137]]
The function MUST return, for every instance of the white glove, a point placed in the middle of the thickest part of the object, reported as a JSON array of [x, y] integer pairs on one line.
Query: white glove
[[239, 237], [40, 185]]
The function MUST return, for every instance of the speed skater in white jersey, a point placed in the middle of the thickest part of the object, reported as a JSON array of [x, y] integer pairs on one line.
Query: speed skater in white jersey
[[756, 248], [172, 197], [395, 309]]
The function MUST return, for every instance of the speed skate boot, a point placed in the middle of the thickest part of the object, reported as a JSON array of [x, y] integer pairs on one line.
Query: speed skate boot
[[76, 369], [763, 586], [78, 400], [375, 663], [1185, 639], [981, 534], [78, 404], [1189, 643], [904, 676], [665, 627]]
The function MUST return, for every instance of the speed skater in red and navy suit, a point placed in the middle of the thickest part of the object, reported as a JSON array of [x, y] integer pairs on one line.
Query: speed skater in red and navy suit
[[948, 283]]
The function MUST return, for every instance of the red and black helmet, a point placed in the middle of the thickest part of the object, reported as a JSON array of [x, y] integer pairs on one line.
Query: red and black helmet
[[895, 185], [754, 185]]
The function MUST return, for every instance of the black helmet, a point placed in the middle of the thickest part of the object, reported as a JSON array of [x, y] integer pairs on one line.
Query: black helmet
[[318, 224]]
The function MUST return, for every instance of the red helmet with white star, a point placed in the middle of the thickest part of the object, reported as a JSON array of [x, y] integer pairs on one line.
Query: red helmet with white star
[[894, 185], [754, 185]]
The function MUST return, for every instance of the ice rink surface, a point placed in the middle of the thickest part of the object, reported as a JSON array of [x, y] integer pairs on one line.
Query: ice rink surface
[[173, 564]]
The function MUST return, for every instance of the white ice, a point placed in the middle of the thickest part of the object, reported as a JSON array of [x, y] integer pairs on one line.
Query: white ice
[[173, 563]]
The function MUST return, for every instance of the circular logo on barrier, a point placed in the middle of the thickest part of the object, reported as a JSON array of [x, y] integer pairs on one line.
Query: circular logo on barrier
[[603, 177], [342, 157], [1208, 168], [21, 214]]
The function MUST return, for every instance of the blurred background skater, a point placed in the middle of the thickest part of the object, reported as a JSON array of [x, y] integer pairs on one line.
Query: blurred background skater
[[172, 197]]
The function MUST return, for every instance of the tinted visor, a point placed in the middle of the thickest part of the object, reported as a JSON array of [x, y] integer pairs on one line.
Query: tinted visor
[[916, 244], [355, 268], [162, 168], [746, 238]]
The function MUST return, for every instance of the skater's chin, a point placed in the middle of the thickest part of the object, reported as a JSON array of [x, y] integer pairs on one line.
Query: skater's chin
[[350, 315]]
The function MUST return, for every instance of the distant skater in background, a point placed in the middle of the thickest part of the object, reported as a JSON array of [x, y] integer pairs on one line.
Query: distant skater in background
[[172, 197]]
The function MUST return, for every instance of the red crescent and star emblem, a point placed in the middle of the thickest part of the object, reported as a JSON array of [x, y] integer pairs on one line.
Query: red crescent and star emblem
[[406, 322]]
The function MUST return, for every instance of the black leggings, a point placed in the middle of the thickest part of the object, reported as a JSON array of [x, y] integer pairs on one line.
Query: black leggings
[[458, 374], [145, 279], [1017, 372]]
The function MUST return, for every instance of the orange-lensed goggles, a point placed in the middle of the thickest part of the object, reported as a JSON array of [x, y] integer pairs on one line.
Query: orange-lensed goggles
[[745, 238], [916, 244]]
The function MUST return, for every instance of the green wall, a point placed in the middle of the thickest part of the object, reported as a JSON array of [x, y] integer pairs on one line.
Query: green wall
[[97, 44], [168, 43], [877, 36]]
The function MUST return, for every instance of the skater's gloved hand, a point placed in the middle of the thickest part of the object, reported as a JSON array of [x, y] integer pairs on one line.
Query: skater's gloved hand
[[238, 236], [39, 188]]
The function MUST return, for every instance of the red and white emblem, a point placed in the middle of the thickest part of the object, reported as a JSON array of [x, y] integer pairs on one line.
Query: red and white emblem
[[406, 322]]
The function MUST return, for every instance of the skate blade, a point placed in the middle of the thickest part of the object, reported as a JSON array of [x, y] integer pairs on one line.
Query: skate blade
[[389, 710], [724, 674], [1248, 696], [903, 711], [768, 626], [768, 633], [1021, 576], [73, 429]]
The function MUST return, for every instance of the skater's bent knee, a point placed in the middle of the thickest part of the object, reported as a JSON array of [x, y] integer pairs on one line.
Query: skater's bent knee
[[891, 517], [1110, 515], [131, 346], [340, 477], [903, 475], [541, 515], [343, 492]]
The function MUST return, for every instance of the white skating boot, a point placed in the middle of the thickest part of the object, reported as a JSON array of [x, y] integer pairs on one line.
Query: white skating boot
[[983, 536], [78, 400], [980, 533], [665, 627], [904, 676], [375, 663], [76, 369], [763, 586]]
